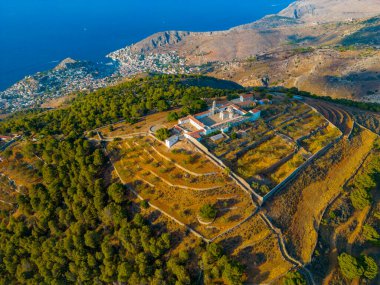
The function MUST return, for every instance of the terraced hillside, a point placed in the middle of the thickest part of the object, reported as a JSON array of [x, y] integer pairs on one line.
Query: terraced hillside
[[298, 209], [267, 152], [180, 187], [189, 213], [255, 245], [335, 114], [345, 223]]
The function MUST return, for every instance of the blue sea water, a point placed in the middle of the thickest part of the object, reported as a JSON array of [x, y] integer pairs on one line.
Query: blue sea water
[[36, 34]]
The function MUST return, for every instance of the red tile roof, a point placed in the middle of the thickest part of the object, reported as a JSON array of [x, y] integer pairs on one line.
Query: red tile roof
[[5, 137], [255, 111], [197, 121], [197, 134], [178, 128], [245, 96], [238, 108]]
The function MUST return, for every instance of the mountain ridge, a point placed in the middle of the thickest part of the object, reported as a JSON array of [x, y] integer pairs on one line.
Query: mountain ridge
[[251, 38], [308, 25]]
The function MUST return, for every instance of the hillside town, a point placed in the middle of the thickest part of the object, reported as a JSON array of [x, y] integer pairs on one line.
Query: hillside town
[[68, 77], [132, 62], [72, 76]]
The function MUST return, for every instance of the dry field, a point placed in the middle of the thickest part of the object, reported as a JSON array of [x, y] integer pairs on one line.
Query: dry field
[[293, 112], [320, 139], [16, 173], [256, 247], [288, 167], [227, 148], [143, 125], [19, 168], [185, 154], [303, 126], [297, 210], [341, 229], [176, 190], [259, 159]]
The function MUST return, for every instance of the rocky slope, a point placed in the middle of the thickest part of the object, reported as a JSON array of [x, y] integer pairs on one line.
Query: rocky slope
[[322, 11], [304, 20], [334, 72], [317, 26]]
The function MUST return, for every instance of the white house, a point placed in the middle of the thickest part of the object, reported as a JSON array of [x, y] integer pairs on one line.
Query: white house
[[169, 142], [246, 97], [217, 119]]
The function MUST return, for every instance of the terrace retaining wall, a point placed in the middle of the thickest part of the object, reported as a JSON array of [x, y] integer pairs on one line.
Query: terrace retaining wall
[[152, 205], [254, 145], [294, 174], [240, 181], [305, 137]]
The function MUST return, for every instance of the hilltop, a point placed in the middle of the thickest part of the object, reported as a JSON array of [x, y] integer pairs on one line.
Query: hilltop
[[170, 180]]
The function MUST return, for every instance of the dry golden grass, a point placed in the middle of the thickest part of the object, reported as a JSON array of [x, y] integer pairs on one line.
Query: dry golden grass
[[227, 148], [288, 167], [161, 182], [59, 102], [293, 111], [303, 126], [143, 125], [263, 156], [20, 168], [184, 154], [321, 139], [298, 209], [256, 247]]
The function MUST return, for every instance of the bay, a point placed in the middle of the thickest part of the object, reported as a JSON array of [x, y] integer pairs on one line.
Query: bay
[[35, 35]]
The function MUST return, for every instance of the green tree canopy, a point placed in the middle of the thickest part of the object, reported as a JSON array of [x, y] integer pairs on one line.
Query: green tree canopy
[[207, 212], [350, 266], [162, 134], [117, 192]]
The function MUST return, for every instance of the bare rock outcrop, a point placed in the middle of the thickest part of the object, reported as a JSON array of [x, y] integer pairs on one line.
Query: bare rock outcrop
[[323, 11]]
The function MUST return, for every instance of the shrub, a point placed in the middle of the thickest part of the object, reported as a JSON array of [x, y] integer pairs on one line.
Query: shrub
[[370, 267], [144, 204], [294, 278], [360, 198], [264, 189], [350, 266], [371, 235], [172, 116], [117, 192], [207, 212], [162, 134]]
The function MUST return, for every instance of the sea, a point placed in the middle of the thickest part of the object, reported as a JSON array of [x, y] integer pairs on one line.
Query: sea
[[35, 35]]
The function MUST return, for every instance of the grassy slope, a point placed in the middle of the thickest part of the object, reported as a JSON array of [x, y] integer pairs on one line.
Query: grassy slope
[[303, 204]]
